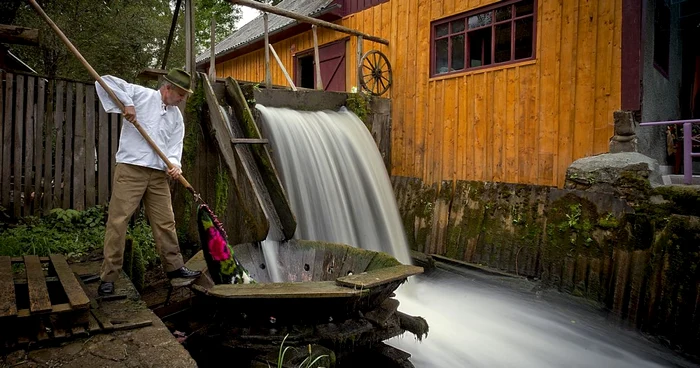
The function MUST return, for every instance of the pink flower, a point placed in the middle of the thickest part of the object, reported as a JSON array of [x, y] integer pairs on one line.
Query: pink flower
[[217, 246]]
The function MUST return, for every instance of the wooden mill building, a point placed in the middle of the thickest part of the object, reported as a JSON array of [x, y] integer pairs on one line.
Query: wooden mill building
[[505, 91]]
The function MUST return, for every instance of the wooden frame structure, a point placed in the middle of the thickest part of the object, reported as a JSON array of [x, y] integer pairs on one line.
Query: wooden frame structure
[[314, 23]]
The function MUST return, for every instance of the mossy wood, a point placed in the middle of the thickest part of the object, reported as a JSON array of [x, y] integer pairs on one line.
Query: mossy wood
[[223, 133], [247, 128], [380, 276], [284, 290]]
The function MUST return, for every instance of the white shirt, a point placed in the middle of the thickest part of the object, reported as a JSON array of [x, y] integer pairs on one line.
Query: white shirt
[[164, 124]]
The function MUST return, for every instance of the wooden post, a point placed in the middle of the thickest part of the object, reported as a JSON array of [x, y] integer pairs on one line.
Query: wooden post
[[189, 40], [19, 35], [306, 19], [359, 63], [319, 82], [268, 74], [212, 58], [279, 62]]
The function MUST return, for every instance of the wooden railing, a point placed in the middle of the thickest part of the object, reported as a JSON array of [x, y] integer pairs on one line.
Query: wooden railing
[[58, 144]]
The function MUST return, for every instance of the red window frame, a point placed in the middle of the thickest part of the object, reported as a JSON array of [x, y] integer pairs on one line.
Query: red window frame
[[465, 16]]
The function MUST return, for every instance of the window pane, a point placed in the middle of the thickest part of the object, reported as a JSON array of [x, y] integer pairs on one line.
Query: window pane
[[479, 20], [458, 26], [457, 53], [524, 7], [523, 38], [441, 56], [504, 13], [503, 36], [441, 30], [480, 47]]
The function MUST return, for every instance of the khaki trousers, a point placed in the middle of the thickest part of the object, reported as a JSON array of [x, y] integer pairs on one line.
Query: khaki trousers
[[130, 184]]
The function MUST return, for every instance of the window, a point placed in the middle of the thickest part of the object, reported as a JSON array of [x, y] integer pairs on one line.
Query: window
[[488, 36], [662, 36]]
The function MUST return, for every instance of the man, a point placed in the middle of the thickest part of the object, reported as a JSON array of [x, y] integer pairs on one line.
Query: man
[[141, 174]]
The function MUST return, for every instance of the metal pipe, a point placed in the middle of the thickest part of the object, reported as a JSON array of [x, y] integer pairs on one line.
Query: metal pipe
[[687, 153]]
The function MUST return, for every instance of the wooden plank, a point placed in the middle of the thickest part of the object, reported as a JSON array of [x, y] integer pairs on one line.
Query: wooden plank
[[585, 79], [103, 158], [68, 148], [605, 77], [449, 132], [90, 153], [7, 139], [29, 147], [379, 276], [249, 141], [567, 85], [8, 306], [19, 35], [381, 314], [18, 145], [79, 149], [21, 259], [58, 161], [3, 126], [420, 99], [284, 290], [39, 146], [499, 119], [76, 295], [48, 147], [39, 301]]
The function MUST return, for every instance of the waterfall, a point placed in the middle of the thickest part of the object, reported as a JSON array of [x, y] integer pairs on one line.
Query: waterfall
[[335, 179]]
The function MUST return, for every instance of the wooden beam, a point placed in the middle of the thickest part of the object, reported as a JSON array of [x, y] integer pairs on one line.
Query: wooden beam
[[38, 292], [189, 41], [284, 70], [303, 18], [284, 290], [19, 35], [319, 81], [8, 306], [249, 141], [75, 293], [268, 75], [212, 55], [378, 277]]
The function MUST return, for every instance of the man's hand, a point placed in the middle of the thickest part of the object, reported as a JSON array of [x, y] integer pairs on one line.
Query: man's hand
[[130, 113], [175, 173]]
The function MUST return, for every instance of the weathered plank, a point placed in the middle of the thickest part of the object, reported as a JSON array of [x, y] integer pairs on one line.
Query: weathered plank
[[76, 295], [58, 160], [379, 276], [39, 145], [39, 300], [21, 259], [90, 152], [18, 146], [103, 178], [29, 146], [79, 149], [68, 148], [380, 315], [3, 126], [48, 148], [284, 290], [8, 306]]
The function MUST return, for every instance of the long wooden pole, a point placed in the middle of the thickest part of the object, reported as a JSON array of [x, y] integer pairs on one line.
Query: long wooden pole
[[306, 19], [284, 70], [114, 97], [317, 62], [268, 74], [212, 57]]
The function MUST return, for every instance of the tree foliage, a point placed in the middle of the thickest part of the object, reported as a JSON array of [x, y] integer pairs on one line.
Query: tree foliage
[[118, 37]]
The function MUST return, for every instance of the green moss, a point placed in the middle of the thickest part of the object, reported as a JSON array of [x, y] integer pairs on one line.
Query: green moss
[[134, 264], [222, 190], [358, 103], [608, 221]]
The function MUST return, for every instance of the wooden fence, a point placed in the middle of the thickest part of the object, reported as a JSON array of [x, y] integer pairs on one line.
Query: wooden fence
[[58, 144]]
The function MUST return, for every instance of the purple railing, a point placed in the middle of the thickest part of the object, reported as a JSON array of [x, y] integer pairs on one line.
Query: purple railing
[[688, 153]]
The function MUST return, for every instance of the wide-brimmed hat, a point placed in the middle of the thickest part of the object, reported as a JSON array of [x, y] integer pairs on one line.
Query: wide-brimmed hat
[[179, 78]]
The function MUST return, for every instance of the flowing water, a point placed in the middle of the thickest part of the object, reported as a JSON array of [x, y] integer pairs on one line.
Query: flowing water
[[340, 192]]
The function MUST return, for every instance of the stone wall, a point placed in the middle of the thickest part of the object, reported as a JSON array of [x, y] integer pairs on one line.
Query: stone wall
[[609, 236]]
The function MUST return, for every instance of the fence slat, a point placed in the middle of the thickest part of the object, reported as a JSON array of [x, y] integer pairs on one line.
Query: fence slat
[[58, 163], [68, 149], [48, 147], [7, 138], [3, 126], [39, 145], [89, 145], [17, 158], [28, 146], [103, 157], [79, 149]]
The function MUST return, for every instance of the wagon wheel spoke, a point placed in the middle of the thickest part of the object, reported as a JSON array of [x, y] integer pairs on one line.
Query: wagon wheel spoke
[[383, 86]]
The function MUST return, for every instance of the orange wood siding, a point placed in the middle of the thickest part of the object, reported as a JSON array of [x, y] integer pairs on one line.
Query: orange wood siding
[[519, 123]]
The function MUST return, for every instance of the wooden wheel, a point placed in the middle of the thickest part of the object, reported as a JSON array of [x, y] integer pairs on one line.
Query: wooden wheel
[[375, 72]]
